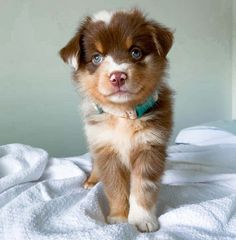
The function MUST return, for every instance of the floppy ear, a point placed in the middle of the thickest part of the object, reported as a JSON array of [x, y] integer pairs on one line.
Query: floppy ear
[[163, 38], [70, 53]]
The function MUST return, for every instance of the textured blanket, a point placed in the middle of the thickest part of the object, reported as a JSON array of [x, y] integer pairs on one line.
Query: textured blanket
[[42, 198]]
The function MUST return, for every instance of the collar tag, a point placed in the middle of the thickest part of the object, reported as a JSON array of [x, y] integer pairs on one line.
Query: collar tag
[[132, 114]]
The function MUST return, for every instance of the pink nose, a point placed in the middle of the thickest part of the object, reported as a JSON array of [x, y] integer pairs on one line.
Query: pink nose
[[118, 78]]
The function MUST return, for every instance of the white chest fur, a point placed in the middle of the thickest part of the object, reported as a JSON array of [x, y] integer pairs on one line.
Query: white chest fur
[[122, 134], [118, 136]]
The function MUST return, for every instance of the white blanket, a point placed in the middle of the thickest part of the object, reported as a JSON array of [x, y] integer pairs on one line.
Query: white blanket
[[42, 198]]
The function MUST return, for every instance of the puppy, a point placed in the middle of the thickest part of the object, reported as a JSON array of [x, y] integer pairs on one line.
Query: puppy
[[119, 61]]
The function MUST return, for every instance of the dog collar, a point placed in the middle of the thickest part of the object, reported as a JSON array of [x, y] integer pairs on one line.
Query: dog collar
[[135, 113]]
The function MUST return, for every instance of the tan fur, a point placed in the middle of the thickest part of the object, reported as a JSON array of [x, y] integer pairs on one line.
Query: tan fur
[[93, 178], [114, 176], [128, 154], [129, 42], [99, 46]]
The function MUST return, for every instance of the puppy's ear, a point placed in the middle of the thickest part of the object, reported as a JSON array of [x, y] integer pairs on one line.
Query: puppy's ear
[[70, 53], [163, 38]]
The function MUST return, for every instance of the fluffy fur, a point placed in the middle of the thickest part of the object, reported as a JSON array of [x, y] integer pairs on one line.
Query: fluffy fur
[[128, 154]]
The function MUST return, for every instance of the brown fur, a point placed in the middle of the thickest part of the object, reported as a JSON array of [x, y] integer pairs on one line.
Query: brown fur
[[129, 155], [116, 189]]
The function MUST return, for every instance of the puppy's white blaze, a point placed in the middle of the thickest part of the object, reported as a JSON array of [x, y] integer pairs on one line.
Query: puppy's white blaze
[[138, 214], [112, 66], [72, 61], [104, 16]]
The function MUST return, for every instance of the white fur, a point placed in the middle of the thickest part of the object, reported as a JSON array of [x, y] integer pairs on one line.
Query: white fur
[[114, 111], [120, 98], [72, 61], [151, 136], [144, 219], [119, 135], [115, 136], [148, 59], [112, 66], [150, 184], [104, 16]]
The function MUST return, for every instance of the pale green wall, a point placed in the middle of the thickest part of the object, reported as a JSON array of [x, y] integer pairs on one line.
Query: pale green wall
[[38, 104], [234, 61]]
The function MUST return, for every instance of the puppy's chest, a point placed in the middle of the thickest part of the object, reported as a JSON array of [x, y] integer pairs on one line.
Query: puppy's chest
[[123, 135]]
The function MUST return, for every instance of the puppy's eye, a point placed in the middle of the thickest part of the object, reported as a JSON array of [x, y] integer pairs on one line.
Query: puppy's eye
[[136, 53], [97, 58]]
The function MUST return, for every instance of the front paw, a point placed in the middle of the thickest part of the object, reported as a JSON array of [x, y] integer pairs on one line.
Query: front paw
[[116, 219], [146, 224]]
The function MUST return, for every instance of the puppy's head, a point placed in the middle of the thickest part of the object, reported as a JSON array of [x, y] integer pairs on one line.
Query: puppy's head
[[118, 58]]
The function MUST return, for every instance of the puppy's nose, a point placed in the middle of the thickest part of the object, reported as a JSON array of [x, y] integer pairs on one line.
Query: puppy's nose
[[118, 78]]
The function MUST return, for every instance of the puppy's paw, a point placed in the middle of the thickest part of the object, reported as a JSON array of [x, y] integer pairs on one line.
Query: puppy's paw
[[116, 219], [88, 184], [144, 223], [148, 226]]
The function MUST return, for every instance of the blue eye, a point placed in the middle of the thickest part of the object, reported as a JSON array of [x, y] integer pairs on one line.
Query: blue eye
[[97, 59], [136, 53]]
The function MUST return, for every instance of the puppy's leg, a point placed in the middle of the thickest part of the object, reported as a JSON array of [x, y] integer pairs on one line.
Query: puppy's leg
[[115, 178], [93, 178], [147, 168]]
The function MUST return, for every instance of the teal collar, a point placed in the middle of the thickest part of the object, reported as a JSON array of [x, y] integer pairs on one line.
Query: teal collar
[[141, 109], [135, 113]]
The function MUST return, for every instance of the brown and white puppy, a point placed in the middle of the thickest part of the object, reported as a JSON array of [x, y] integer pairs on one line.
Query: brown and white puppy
[[119, 61]]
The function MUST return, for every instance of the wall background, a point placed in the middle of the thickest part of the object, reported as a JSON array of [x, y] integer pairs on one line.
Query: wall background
[[234, 60], [38, 105]]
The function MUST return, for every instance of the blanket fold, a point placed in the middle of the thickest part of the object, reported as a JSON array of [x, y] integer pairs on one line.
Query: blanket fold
[[42, 198]]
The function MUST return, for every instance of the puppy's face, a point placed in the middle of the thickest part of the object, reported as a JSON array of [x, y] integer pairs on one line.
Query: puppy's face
[[118, 58]]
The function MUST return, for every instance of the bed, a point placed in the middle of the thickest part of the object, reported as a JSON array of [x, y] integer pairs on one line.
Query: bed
[[42, 197]]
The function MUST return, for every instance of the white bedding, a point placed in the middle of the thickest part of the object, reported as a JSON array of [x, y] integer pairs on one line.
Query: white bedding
[[42, 198]]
